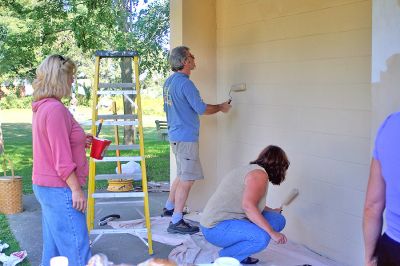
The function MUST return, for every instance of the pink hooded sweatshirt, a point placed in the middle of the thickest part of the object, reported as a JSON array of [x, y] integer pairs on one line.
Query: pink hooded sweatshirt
[[58, 145]]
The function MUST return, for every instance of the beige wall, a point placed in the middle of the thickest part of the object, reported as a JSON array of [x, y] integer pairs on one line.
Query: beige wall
[[307, 69], [306, 64]]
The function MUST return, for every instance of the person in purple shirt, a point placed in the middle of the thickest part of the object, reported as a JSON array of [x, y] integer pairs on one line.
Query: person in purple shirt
[[183, 105], [383, 194], [60, 166]]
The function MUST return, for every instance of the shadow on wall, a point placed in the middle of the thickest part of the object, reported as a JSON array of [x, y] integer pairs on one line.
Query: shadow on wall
[[386, 92]]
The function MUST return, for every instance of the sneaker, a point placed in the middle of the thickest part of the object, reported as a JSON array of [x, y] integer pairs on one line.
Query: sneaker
[[167, 212], [182, 227]]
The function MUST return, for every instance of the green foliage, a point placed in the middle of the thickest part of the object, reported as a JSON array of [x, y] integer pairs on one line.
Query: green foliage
[[12, 101], [31, 30]]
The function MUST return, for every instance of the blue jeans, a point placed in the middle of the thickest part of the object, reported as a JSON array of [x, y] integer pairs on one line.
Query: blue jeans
[[242, 238], [64, 228]]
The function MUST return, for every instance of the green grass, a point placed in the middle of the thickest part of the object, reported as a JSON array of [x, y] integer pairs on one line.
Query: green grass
[[6, 236], [18, 146]]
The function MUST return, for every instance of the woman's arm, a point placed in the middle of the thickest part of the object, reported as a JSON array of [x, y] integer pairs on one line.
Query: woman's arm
[[255, 189], [373, 211], [78, 197]]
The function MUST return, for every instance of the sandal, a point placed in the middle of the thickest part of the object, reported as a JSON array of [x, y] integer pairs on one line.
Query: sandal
[[249, 260]]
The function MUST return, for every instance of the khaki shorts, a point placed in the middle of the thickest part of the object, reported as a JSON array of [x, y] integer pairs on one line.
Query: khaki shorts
[[188, 164]]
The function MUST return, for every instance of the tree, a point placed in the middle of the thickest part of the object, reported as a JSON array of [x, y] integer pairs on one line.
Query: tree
[[1, 141], [32, 29]]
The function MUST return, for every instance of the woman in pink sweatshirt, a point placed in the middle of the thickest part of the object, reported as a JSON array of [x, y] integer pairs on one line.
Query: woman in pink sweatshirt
[[59, 164]]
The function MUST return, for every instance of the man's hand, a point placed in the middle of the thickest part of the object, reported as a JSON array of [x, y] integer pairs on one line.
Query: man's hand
[[79, 200], [225, 107], [279, 238]]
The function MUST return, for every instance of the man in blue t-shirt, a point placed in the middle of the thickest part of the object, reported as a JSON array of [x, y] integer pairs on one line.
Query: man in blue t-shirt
[[183, 105]]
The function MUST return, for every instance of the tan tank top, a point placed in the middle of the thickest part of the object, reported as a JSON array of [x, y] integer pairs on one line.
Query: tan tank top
[[226, 202]]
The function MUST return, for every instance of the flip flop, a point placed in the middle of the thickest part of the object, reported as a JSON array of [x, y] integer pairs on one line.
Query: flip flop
[[249, 260]]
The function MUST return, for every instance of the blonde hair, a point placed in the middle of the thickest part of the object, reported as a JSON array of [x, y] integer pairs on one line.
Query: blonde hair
[[52, 78]]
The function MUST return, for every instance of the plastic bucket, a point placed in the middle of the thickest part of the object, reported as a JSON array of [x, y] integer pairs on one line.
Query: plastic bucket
[[99, 147], [59, 261], [226, 261]]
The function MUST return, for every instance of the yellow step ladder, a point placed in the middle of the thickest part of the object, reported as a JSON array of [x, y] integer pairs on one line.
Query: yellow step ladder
[[115, 120]]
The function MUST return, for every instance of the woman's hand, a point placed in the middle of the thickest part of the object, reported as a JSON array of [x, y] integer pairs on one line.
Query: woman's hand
[[89, 139], [371, 262], [279, 238], [79, 200]]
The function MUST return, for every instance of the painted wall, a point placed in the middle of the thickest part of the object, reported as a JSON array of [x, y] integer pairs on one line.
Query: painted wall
[[385, 60], [307, 67]]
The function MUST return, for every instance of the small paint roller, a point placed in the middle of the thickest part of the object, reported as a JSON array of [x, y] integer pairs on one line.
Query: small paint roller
[[290, 197], [236, 88]]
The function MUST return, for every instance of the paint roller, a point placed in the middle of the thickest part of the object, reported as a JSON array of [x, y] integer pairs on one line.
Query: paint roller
[[236, 88], [99, 128], [290, 197]]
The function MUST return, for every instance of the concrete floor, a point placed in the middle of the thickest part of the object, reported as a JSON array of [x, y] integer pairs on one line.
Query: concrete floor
[[119, 248]]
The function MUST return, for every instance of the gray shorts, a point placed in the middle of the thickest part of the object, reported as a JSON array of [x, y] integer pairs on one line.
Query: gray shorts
[[188, 164]]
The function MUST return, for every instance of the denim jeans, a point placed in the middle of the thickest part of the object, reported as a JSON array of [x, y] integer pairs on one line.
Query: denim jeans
[[64, 228], [242, 238]]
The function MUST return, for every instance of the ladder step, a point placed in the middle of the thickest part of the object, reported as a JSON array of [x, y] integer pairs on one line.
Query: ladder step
[[114, 92], [120, 159], [116, 85], [111, 123], [104, 53], [132, 117], [117, 176], [123, 147], [118, 231], [110, 195], [137, 203], [119, 123]]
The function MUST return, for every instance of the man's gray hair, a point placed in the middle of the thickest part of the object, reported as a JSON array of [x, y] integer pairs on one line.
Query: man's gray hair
[[177, 57]]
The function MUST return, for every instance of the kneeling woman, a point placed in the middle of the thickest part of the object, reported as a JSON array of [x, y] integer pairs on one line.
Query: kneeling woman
[[236, 217]]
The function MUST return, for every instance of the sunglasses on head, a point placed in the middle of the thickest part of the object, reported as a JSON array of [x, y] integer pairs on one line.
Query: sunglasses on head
[[62, 59]]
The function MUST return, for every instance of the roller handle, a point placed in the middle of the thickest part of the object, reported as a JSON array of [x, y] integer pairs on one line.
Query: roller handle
[[290, 197]]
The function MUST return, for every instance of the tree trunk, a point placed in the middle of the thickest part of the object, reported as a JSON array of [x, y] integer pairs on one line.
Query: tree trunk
[[126, 77], [1, 140]]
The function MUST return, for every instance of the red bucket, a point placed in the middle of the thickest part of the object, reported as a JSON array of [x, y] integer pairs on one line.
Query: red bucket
[[99, 147]]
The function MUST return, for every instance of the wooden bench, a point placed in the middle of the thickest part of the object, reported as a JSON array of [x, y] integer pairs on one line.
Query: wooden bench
[[162, 129]]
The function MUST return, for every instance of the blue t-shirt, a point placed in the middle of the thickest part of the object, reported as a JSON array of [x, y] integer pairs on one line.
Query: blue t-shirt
[[183, 105], [387, 152]]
